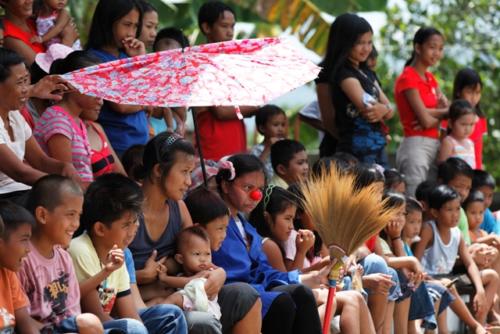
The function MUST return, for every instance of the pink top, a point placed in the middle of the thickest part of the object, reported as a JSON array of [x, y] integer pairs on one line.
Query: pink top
[[57, 121], [464, 150], [51, 286]]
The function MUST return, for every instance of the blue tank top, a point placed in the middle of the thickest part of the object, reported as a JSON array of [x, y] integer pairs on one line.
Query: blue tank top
[[142, 245], [123, 130]]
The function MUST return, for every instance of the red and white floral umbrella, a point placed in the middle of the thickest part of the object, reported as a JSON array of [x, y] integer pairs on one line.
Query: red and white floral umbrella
[[244, 72]]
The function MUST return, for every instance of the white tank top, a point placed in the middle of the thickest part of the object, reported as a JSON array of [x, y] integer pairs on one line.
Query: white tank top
[[440, 258]]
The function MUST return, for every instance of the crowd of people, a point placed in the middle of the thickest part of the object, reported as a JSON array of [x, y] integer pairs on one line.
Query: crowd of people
[[107, 223]]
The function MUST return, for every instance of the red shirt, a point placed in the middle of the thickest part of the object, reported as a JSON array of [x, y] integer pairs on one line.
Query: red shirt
[[480, 129], [220, 138], [13, 31], [410, 79]]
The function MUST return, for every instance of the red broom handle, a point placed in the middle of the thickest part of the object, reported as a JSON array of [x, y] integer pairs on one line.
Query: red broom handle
[[329, 307]]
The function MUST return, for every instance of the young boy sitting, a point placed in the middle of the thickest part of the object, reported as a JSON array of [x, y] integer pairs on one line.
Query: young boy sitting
[[15, 233], [47, 274], [485, 183], [111, 206], [290, 164]]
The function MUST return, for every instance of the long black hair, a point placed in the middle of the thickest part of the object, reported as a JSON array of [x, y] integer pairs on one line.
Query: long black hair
[[344, 33], [421, 36], [106, 14]]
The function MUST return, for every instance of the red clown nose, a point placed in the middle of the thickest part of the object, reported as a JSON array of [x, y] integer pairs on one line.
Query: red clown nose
[[256, 195]]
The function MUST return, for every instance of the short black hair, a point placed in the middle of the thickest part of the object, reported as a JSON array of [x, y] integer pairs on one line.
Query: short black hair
[[474, 196], [74, 61], [13, 216], [394, 199], [482, 178], [453, 167], [132, 161], [264, 113], [108, 198], [106, 13], [49, 191], [441, 195], [204, 205], [283, 151], [8, 58], [413, 205], [393, 177], [171, 33], [366, 174], [424, 189], [211, 11], [459, 108], [184, 234]]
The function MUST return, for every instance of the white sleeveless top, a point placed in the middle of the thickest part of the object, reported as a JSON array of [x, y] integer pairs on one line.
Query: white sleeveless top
[[440, 258], [464, 150]]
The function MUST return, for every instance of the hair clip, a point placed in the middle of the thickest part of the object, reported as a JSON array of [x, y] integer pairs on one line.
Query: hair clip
[[267, 196], [173, 138], [228, 165]]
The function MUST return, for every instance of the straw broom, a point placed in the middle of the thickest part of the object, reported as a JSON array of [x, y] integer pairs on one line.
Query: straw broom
[[344, 218]]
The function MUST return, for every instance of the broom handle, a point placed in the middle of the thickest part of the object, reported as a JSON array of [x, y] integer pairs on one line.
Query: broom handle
[[329, 306]]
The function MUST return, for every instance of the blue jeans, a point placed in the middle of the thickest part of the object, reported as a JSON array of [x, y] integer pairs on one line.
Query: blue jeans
[[164, 319], [129, 326], [374, 264]]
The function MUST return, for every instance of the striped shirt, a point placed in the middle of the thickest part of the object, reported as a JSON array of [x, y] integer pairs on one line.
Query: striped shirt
[[57, 121]]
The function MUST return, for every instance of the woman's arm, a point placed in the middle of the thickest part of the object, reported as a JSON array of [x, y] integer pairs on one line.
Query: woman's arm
[[385, 100], [21, 48], [124, 108], [16, 169], [185, 216], [326, 108], [62, 20], [354, 92], [427, 118]]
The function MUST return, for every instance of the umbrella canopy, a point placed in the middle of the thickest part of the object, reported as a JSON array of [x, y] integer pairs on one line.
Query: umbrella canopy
[[244, 72]]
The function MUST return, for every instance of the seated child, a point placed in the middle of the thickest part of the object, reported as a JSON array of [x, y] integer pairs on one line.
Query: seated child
[[15, 232], [485, 183], [290, 163], [271, 122], [195, 256], [111, 206], [132, 162], [441, 242], [462, 119], [51, 20], [47, 274]]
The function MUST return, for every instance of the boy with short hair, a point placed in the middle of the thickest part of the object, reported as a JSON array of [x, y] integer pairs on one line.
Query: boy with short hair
[[15, 233], [290, 163], [47, 274], [485, 183], [111, 206], [457, 174]]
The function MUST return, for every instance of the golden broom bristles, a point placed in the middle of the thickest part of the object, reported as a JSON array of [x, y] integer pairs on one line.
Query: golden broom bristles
[[343, 216]]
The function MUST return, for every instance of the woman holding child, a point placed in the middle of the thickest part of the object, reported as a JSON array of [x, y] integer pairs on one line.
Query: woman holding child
[[168, 162]]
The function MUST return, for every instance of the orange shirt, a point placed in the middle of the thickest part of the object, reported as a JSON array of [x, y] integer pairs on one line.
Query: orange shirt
[[12, 298]]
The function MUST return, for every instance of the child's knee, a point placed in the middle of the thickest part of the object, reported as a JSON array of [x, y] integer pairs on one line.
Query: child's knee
[[89, 323], [489, 276]]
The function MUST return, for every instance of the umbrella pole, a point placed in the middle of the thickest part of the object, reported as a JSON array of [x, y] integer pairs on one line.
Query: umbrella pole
[[200, 153]]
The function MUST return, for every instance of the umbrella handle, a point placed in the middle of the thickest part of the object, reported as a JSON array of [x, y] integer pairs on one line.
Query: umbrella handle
[[329, 307]]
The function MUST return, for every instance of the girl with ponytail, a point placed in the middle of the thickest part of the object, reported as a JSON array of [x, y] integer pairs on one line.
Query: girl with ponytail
[[421, 106]]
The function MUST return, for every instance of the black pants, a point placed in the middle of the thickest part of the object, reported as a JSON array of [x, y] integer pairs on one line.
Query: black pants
[[294, 311]]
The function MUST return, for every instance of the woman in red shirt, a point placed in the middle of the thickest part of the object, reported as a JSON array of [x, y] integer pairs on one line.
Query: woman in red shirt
[[421, 106], [20, 30]]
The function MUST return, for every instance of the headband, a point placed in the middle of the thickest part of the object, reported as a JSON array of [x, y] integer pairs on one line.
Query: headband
[[267, 196]]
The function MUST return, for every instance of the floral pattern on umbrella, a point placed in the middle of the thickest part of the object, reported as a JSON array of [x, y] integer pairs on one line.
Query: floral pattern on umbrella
[[244, 72]]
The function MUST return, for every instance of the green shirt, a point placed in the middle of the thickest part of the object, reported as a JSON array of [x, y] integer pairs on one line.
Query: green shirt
[[463, 226]]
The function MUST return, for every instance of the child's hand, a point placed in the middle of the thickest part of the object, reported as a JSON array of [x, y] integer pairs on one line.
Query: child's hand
[[394, 228], [443, 101], [114, 259], [36, 39], [379, 283], [304, 241], [152, 267], [133, 47], [479, 302]]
